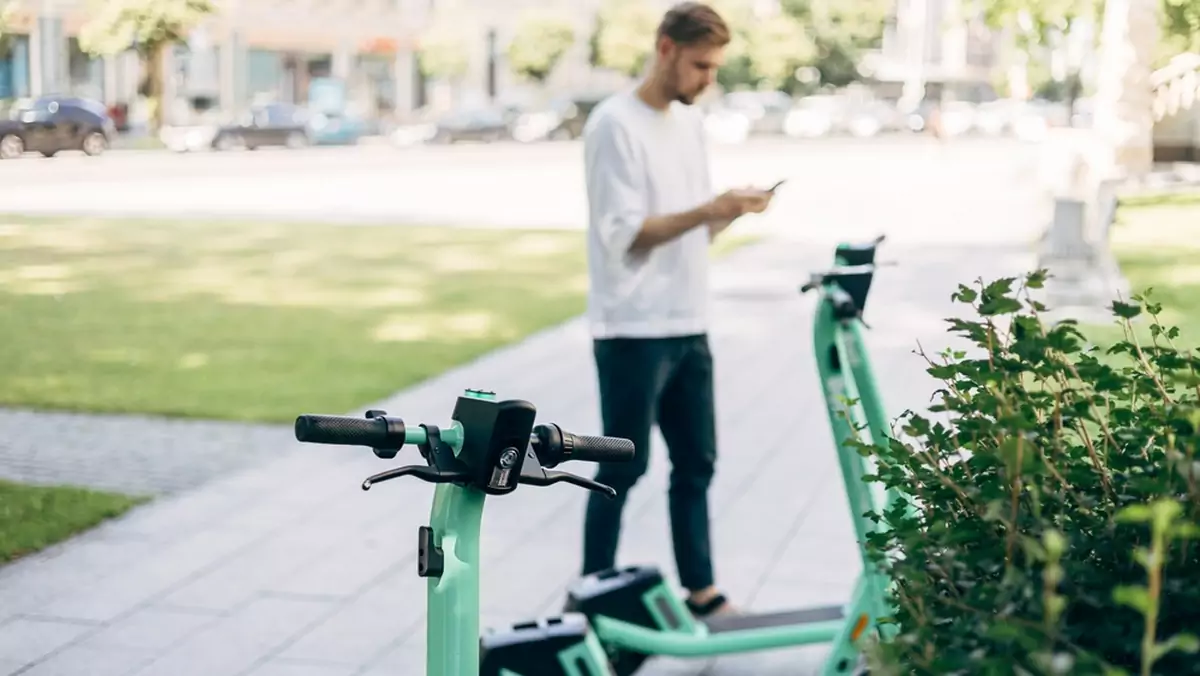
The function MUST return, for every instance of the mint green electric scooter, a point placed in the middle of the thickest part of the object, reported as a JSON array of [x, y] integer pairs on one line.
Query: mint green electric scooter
[[489, 448], [636, 615]]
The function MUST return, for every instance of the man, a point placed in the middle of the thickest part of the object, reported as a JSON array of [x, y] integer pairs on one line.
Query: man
[[652, 215]]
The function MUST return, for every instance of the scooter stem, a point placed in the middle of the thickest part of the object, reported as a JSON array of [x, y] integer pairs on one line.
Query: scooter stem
[[452, 632]]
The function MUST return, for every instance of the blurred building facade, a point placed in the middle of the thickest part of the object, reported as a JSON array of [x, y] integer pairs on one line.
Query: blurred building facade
[[489, 27], [249, 50], [254, 50], [938, 48]]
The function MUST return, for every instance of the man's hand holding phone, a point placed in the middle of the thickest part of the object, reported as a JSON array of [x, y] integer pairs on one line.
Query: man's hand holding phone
[[732, 204]]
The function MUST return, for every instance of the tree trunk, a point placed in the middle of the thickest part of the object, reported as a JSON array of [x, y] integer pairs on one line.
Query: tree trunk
[[1124, 118], [153, 63]]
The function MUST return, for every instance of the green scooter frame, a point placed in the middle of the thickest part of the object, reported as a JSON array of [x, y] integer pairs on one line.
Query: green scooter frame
[[635, 614], [489, 448]]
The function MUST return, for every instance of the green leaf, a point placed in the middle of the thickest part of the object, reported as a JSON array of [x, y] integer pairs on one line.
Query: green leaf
[[1185, 531], [964, 294], [1036, 279], [1184, 643], [1187, 643], [994, 511], [1135, 514], [1134, 596], [1125, 310], [1165, 511], [1145, 558], [999, 305], [999, 287], [1054, 543], [1019, 456]]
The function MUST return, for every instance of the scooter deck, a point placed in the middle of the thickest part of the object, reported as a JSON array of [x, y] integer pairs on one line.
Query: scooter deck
[[730, 623]]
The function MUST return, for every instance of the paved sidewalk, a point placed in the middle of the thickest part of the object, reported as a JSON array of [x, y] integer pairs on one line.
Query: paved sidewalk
[[289, 568], [140, 455]]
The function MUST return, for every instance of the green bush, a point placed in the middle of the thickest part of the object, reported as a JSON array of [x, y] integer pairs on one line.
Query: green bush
[[1048, 522]]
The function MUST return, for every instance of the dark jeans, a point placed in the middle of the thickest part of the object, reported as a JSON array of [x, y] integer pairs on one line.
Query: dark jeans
[[668, 381]]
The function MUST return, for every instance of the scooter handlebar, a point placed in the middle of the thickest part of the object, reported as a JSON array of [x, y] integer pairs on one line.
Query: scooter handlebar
[[599, 449], [379, 432]]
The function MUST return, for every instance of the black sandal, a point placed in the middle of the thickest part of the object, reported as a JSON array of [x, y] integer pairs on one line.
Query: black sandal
[[708, 607]]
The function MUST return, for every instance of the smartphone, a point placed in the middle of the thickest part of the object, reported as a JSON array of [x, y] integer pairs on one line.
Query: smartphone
[[772, 188]]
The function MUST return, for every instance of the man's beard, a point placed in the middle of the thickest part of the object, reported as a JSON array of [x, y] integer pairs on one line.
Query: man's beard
[[683, 97], [677, 94]]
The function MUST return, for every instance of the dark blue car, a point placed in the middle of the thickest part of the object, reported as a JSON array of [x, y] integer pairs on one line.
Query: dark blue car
[[52, 124]]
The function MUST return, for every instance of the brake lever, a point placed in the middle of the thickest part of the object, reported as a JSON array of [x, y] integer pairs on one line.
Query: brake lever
[[422, 472], [547, 477]]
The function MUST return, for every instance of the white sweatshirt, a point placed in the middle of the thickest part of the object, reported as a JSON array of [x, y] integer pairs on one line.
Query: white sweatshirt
[[642, 162]]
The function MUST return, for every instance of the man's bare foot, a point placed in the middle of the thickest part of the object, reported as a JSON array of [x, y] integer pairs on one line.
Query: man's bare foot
[[708, 602]]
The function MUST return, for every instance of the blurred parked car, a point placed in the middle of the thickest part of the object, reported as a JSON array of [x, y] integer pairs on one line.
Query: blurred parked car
[[528, 126], [52, 124], [724, 125], [995, 118], [272, 124], [958, 118], [1035, 118], [331, 118], [562, 119], [812, 116], [335, 128], [917, 119], [119, 112], [868, 118], [472, 124], [574, 116], [767, 111], [1083, 115], [412, 133]]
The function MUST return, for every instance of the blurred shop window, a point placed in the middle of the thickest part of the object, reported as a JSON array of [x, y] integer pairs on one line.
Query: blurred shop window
[[85, 75]]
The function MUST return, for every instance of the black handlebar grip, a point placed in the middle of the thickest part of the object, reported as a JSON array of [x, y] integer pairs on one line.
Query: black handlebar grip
[[600, 449], [342, 430]]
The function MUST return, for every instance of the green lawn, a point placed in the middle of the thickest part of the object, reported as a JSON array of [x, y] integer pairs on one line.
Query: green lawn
[[252, 321], [1156, 241], [35, 517], [255, 321]]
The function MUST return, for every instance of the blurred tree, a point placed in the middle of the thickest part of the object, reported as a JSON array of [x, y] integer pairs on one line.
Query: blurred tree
[[1038, 27], [1181, 29], [442, 52], [1135, 37], [8, 12], [765, 51], [147, 26], [737, 70], [776, 46], [539, 43], [1037, 22], [1130, 40], [841, 32], [624, 36], [1032, 22]]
